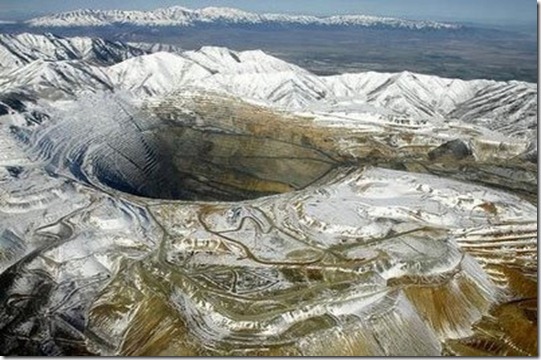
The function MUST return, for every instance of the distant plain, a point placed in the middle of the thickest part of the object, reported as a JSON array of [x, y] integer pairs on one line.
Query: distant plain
[[468, 53]]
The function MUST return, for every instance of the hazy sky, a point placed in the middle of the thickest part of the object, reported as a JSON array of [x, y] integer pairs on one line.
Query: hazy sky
[[484, 11]]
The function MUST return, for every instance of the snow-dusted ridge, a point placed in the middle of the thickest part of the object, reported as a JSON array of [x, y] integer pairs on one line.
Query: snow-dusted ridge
[[49, 67], [181, 16], [507, 107], [21, 49], [149, 207]]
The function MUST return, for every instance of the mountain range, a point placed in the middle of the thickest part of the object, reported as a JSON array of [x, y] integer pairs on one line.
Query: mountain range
[[162, 201], [49, 66], [184, 17], [322, 44]]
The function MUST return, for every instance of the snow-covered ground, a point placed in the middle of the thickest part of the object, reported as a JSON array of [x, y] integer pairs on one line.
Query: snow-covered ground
[[509, 108], [365, 260]]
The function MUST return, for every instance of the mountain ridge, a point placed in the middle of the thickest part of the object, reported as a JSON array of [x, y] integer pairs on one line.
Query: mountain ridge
[[181, 16], [507, 107], [21, 49]]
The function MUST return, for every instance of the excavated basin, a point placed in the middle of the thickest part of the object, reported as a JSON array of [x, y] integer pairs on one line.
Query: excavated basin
[[200, 149], [183, 163]]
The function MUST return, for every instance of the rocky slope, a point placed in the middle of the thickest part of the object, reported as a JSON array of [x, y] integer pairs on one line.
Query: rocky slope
[[508, 108], [19, 50], [215, 202]]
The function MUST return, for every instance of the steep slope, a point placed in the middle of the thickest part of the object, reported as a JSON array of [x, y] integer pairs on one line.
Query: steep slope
[[155, 74], [180, 16], [367, 260], [256, 75], [223, 60], [136, 219], [508, 108], [513, 105], [21, 49], [55, 80], [407, 93], [250, 74]]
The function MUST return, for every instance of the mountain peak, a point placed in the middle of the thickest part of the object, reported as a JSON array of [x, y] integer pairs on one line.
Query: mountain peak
[[221, 11]]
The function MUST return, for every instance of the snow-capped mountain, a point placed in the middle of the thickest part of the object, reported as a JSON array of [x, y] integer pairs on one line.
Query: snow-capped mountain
[[507, 107], [55, 79], [154, 74], [19, 50], [220, 202], [180, 16]]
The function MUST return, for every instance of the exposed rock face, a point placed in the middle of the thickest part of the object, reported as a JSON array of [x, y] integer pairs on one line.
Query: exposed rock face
[[373, 261], [201, 223], [22, 49], [455, 150]]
